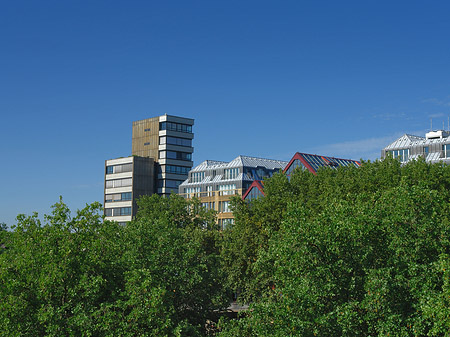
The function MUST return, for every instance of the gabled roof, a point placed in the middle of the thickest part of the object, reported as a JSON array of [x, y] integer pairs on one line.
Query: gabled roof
[[208, 164], [313, 162], [255, 184], [239, 161], [405, 141], [247, 161]]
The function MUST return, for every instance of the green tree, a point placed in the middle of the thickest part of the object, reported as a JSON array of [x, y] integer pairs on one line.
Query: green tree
[[57, 277], [359, 252], [174, 282]]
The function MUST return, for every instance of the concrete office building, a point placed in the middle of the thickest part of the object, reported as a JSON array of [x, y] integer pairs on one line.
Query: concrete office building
[[161, 159], [127, 179], [434, 147], [214, 182]]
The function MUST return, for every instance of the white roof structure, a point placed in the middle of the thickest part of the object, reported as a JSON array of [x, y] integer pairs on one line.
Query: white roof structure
[[240, 161], [412, 147], [405, 141], [218, 177]]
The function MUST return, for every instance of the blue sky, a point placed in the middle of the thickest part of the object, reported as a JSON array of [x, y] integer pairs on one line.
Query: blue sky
[[260, 78]]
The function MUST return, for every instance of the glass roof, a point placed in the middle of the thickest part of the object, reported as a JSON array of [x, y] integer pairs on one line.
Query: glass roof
[[316, 161]]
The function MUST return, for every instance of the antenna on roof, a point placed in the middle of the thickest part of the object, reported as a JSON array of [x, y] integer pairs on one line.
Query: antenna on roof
[[443, 125], [431, 121]]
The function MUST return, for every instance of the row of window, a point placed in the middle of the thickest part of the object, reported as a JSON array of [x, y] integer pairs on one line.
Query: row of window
[[175, 155], [209, 205], [197, 177], [177, 169], [119, 183], [175, 141], [231, 173], [119, 168], [169, 183], [402, 154], [175, 127], [227, 189], [192, 190], [118, 211], [118, 197]]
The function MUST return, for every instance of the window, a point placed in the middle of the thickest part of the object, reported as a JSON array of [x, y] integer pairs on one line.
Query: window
[[121, 211], [296, 163], [146, 130], [119, 183], [175, 155], [148, 143], [425, 150], [253, 194], [118, 197], [190, 190], [402, 154], [177, 169], [227, 189], [446, 150], [224, 206], [226, 222], [197, 177], [126, 196], [169, 183], [175, 141], [118, 211], [173, 183], [119, 168], [231, 173], [175, 127]]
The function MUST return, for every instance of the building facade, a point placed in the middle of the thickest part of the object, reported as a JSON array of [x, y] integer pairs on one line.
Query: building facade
[[214, 182], [434, 147], [126, 179], [303, 161], [161, 159], [168, 140]]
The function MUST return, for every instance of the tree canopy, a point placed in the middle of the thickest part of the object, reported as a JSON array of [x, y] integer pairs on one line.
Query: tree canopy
[[347, 252], [355, 252], [83, 276]]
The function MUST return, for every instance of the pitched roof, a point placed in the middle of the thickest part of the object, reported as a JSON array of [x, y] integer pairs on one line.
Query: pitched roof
[[239, 161], [405, 141], [312, 162]]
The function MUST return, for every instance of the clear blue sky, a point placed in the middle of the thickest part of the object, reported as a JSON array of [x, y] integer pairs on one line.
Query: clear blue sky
[[260, 78]]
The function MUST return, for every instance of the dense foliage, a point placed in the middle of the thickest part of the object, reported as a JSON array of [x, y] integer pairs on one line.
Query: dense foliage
[[81, 276], [355, 252], [348, 252]]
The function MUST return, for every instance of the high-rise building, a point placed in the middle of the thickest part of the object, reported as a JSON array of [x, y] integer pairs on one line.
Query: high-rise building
[[160, 162], [434, 147], [214, 182], [167, 139]]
